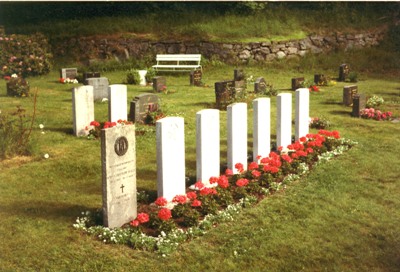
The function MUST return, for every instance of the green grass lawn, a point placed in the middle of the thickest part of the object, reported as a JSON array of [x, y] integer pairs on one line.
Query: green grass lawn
[[343, 216]]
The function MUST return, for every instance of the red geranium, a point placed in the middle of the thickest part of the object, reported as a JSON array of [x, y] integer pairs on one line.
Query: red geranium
[[242, 182], [199, 185], [223, 182], [253, 165], [213, 180], [134, 223], [196, 203], [191, 195], [143, 218], [239, 167], [161, 201], [179, 199], [228, 172], [164, 214]]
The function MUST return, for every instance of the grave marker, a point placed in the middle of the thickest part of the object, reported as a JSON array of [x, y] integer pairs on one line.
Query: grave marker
[[118, 156], [359, 103], [238, 75], [141, 105], [159, 84], [284, 120], [348, 94], [70, 73], [260, 85], [82, 109], [261, 128], [320, 79], [237, 135], [297, 83], [117, 97], [142, 76], [100, 87], [207, 145], [170, 157], [302, 113], [344, 71], [224, 93], [195, 78], [87, 75]]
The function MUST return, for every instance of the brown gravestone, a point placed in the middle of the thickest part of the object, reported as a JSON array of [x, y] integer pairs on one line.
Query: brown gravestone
[[359, 103], [344, 71], [297, 83], [90, 75], [238, 75], [320, 79], [260, 85], [348, 94], [70, 73], [195, 78], [224, 93], [159, 84], [143, 104]]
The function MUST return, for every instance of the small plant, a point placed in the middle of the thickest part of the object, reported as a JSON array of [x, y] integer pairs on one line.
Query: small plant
[[372, 113], [319, 123], [353, 77], [95, 127], [132, 77], [374, 101], [152, 117], [150, 74], [17, 86]]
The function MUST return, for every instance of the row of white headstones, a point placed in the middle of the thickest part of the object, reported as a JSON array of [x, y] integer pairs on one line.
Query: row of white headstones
[[171, 140]]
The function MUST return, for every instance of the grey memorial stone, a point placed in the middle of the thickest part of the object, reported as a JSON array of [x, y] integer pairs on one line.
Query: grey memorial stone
[[238, 75], [70, 73], [348, 94], [359, 103], [141, 105], [195, 78], [297, 83], [344, 71], [159, 84], [260, 85], [224, 93], [118, 157], [100, 87], [90, 75]]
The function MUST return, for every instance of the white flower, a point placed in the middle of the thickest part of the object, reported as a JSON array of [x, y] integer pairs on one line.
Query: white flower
[[14, 75], [104, 100], [41, 126], [46, 156]]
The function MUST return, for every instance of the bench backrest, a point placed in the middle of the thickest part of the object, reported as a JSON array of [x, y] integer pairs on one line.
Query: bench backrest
[[177, 57]]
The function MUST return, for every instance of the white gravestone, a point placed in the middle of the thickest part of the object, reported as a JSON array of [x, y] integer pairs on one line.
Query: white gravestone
[[237, 135], [302, 113], [70, 73], [170, 157], [118, 158], [284, 120], [207, 145], [82, 109], [117, 102], [100, 87], [142, 76], [261, 128]]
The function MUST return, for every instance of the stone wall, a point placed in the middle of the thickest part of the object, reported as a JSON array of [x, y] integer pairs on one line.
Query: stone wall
[[88, 48]]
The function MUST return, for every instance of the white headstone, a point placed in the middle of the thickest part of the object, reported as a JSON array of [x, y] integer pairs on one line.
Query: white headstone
[[100, 87], [118, 157], [70, 73], [170, 157], [237, 135], [117, 102], [82, 109], [207, 145], [302, 113], [142, 76], [284, 120], [261, 128]]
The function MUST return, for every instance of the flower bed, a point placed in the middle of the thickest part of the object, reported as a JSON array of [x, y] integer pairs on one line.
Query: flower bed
[[375, 114], [161, 226]]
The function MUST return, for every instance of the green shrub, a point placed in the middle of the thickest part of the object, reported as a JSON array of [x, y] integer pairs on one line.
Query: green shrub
[[17, 86], [150, 74], [132, 77], [24, 55]]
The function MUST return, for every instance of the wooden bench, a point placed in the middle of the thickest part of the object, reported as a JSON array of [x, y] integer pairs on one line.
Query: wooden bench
[[177, 63]]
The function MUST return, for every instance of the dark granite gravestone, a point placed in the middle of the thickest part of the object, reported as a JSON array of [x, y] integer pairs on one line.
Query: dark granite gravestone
[[100, 87], [238, 75], [344, 71], [195, 78], [141, 105], [359, 103], [348, 94], [159, 84], [320, 79], [90, 75], [224, 93], [297, 82], [260, 85], [70, 73]]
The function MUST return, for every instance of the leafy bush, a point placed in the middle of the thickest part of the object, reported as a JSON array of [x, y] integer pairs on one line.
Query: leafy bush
[[17, 86], [24, 55], [132, 77], [150, 74], [374, 101]]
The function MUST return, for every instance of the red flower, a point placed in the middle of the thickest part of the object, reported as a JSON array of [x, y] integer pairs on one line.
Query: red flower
[[213, 180], [208, 191], [228, 172], [256, 173], [199, 185], [191, 195], [7, 77], [239, 167], [179, 199], [143, 218], [223, 182], [242, 182], [253, 165], [164, 214], [286, 158], [62, 80], [161, 201], [134, 223], [95, 123], [196, 203]]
